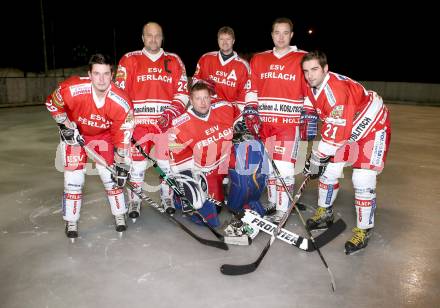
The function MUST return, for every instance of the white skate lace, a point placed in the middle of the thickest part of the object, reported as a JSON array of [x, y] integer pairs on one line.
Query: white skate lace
[[134, 207], [71, 226]]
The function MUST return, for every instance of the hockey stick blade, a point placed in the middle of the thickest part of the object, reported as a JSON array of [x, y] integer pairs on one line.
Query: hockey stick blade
[[235, 270], [328, 235], [216, 244], [230, 269]]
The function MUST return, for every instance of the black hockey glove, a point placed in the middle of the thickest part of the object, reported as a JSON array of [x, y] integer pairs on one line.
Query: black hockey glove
[[315, 165], [70, 136], [121, 175]]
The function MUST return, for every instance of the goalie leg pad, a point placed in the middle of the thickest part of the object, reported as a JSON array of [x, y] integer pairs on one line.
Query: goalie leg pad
[[194, 186], [256, 206], [245, 191], [248, 179], [364, 182], [209, 212]]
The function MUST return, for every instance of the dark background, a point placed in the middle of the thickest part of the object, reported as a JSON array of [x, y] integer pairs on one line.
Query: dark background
[[362, 40]]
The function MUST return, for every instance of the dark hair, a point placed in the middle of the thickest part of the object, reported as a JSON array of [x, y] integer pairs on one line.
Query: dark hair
[[226, 30], [200, 85], [316, 54], [100, 58], [283, 20]]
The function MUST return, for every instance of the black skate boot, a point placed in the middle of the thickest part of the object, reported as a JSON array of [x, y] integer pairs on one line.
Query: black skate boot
[[358, 241], [322, 219], [270, 208], [275, 216], [72, 230], [134, 210]]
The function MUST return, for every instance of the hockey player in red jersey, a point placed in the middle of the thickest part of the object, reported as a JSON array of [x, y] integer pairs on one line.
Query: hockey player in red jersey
[[227, 73], [356, 130], [201, 151], [157, 84], [275, 102], [101, 114]]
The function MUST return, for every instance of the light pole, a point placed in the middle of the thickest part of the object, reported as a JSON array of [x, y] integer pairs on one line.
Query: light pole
[[44, 37]]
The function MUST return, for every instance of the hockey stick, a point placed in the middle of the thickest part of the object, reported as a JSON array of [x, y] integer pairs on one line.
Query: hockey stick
[[172, 183], [230, 269], [291, 238], [100, 160], [285, 217]]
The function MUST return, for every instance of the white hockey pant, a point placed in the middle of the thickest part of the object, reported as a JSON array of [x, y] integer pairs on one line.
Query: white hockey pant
[[364, 182], [72, 197], [115, 194]]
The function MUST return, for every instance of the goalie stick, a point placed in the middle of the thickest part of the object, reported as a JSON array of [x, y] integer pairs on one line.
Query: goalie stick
[[291, 238], [99, 159], [231, 269], [172, 183], [293, 201]]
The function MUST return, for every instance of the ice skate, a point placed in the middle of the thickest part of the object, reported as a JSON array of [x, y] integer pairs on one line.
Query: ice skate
[[121, 225], [134, 210], [270, 208], [275, 217], [168, 206], [321, 220], [72, 230], [358, 241]]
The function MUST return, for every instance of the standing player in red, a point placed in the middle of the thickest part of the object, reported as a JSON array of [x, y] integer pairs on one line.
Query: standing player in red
[[156, 82], [227, 73], [96, 110], [356, 130], [275, 102]]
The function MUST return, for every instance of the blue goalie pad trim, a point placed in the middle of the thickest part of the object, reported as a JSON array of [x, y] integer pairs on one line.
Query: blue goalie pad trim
[[209, 212], [255, 206]]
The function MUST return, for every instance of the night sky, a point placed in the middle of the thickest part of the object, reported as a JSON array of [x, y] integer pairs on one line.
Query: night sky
[[369, 43]]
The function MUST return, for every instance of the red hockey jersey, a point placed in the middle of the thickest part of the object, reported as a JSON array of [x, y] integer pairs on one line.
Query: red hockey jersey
[[153, 84], [277, 86], [75, 97], [204, 143], [231, 77], [348, 111]]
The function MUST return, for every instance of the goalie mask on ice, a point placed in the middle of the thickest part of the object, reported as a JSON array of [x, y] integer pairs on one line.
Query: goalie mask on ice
[[248, 179]]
